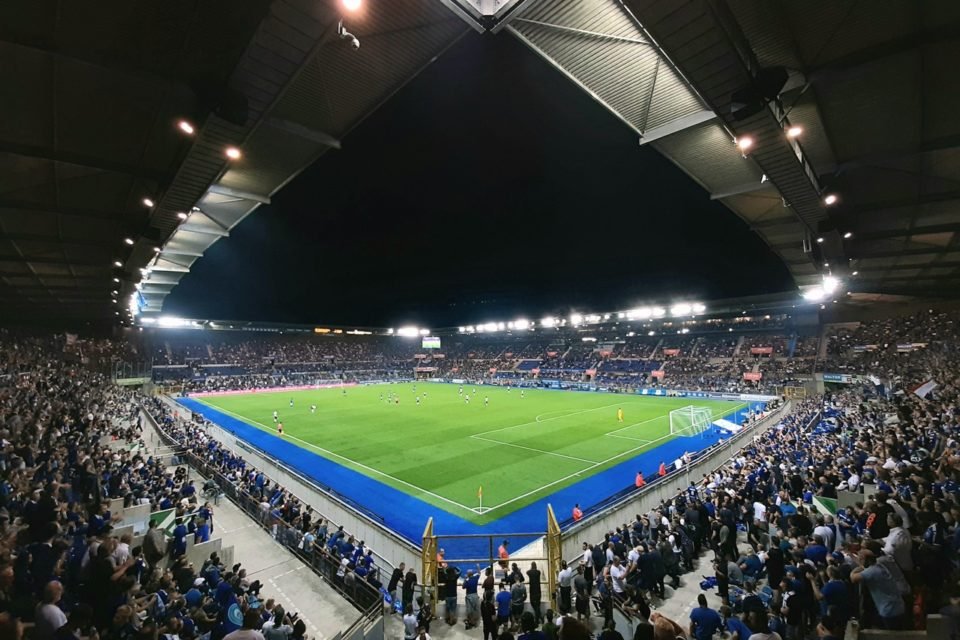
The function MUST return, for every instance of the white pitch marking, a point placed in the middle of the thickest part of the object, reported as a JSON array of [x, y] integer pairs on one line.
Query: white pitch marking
[[520, 446], [337, 455]]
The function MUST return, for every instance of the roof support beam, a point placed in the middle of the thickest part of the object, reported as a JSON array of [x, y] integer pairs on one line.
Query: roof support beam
[[192, 228], [583, 32], [103, 164], [750, 187], [925, 251], [63, 261], [173, 268], [905, 267], [675, 126], [36, 237], [946, 33], [770, 223], [238, 193], [899, 233], [181, 252], [304, 132], [96, 214]]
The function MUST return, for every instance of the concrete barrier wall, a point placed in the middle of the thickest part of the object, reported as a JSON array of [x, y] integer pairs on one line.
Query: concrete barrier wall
[[387, 546], [594, 529]]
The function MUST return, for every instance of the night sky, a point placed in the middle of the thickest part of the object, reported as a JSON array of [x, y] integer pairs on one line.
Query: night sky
[[489, 188]]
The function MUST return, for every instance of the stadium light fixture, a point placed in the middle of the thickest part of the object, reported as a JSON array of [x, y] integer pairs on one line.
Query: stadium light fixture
[[351, 5], [390, 331], [128, 241], [408, 332], [659, 312], [576, 319], [820, 240], [848, 235], [147, 202], [814, 294], [606, 316], [186, 127], [548, 322], [148, 320], [794, 131], [157, 249], [116, 280], [830, 199], [855, 273], [233, 153], [621, 315], [682, 309], [501, 326], [830, 284], [182, 215], [462, 329], [424, 332], [699, 307], [521, 324], [744, 142], [117, 263], [651, 333]]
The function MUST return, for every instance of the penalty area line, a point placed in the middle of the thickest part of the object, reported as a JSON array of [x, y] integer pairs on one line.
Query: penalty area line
[[337, 455]]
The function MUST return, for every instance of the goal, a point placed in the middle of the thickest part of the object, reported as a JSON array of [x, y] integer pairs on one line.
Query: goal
[[690, 420]]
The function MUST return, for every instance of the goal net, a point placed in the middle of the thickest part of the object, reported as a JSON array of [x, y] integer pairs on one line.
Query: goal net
[[690, 420]]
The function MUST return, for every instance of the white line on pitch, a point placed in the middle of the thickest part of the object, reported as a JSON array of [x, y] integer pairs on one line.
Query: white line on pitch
[[612, 435], [538, 421], [353, 462], [593, 466], [520, 446]]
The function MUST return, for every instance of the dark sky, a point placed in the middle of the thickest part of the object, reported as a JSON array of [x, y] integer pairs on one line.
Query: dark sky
[[490, 187]]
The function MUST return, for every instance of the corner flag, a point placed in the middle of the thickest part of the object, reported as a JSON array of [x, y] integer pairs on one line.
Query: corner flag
[[480, 492]]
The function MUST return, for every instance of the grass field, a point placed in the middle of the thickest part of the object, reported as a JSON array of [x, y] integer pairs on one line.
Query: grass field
[[443, 450]]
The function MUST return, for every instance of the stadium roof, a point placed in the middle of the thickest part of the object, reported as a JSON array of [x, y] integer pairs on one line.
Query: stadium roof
[[91, 130]]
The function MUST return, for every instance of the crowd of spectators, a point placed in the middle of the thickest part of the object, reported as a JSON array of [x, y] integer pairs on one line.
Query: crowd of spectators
[[784, 566], [70, 446]]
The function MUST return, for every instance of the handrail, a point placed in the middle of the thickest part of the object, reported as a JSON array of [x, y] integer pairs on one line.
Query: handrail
[[309, 482], [363, 595]]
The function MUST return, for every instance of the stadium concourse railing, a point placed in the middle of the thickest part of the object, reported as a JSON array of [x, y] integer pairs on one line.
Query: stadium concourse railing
[[364, 595], [390, 549], [620, 508]]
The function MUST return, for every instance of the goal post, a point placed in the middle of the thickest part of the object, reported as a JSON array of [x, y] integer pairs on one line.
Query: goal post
[[690, 420]]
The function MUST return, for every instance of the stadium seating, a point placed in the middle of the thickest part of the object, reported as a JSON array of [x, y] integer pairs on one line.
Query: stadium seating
[[859, 483]]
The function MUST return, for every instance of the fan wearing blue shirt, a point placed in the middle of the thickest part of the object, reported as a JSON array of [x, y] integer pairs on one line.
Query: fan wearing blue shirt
[[704, 621]]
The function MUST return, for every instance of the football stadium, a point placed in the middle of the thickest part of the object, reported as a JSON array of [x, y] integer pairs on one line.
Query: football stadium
[[462, 319]]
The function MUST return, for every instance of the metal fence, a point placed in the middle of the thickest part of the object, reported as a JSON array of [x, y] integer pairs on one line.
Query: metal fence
[[363, 593]]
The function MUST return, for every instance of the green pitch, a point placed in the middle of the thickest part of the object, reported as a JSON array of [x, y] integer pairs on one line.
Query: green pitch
[[442, 450]]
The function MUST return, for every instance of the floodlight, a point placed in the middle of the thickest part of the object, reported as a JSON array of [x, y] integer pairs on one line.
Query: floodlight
[[424, 332], [794, 131], [186, 127], [855, 273], [658, 312], [157, 249], [510, 325], [820, 240], [682, 309], [548, 322], [117, 263], [848, 235], [462, 329], [744, 143], [576, 318], [830, 284], [699, 307], [148, 320], [147, 202], [814, 294], [182, 215], [621, 315], [233, 153], [171, 322], [651, 333], [116, 279], [606, 316], [592, 318], [830, 199], [351, 5], [408, 332], [521, 324], [390, 332], [128, 240], [501, 326]]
